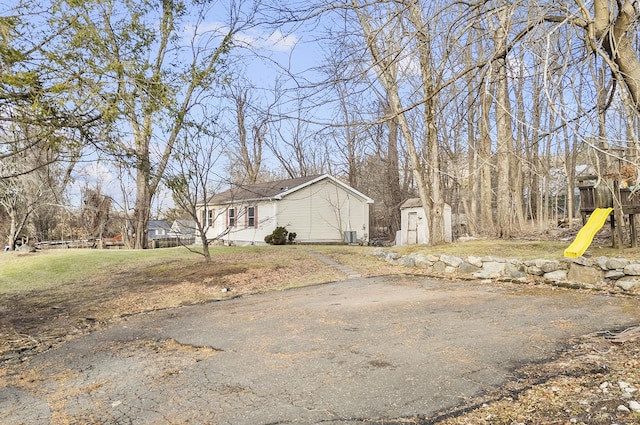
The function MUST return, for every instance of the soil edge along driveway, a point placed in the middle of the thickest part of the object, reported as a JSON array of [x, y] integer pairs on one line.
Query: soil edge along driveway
[[345, 352]]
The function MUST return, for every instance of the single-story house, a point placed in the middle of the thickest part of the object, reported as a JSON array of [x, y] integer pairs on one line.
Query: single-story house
[[414, 224], [158, 229], [318, 209]]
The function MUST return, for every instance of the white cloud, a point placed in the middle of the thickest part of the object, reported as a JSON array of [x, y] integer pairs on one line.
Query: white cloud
[[96, 172], [275, 41], [279, 42], [409, 65]]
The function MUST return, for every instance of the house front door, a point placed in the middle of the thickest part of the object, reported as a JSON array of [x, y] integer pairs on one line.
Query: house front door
[[412, 228]]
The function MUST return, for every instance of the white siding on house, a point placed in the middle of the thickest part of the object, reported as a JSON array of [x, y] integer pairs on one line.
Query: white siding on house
[[242, 234], [322, 212]]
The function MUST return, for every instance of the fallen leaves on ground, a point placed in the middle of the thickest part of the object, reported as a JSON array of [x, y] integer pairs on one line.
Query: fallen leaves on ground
[[584, 385]]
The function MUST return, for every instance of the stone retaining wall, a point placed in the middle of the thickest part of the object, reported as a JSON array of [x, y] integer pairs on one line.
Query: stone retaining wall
[[611, 274]]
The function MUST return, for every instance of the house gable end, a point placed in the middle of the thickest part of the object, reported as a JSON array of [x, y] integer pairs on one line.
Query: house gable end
[[334, 181], [276, 190]]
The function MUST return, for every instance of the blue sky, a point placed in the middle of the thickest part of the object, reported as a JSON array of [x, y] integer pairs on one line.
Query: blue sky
[[263, 55]]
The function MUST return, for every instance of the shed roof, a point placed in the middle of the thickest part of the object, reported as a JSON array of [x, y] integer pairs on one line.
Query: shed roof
[[415, 203], [411, 203]]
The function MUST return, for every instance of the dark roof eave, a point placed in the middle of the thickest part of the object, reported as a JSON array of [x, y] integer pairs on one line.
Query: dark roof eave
[[238, 201]]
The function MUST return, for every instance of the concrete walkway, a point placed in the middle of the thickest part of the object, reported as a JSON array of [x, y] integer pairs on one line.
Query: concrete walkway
[[351, 274]]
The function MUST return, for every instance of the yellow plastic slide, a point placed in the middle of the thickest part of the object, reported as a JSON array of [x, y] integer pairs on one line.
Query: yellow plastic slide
[[586, 234]]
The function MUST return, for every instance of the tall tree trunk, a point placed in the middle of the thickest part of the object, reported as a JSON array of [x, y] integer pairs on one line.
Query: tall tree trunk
[[535, 203], [571, 155], [504, 209], [504, 153], [486, 167], [517, 170], [250, 151], [13, 229], [142, 209], [386, 71], [392, 179], [472, 189], [434, 181], [545, 172], [614, 27], [571, 143]]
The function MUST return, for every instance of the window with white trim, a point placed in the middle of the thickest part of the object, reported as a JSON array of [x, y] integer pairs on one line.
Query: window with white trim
[[251, 216], [231, 212]]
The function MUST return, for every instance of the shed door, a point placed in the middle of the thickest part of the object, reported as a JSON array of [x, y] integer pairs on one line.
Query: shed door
[[412, 228]]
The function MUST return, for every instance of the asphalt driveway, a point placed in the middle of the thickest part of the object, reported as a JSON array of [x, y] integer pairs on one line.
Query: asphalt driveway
[[345, 352]]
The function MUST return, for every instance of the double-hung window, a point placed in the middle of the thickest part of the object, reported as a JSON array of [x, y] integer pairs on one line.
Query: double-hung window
[[207, 217], [232, 217], [251, 216]]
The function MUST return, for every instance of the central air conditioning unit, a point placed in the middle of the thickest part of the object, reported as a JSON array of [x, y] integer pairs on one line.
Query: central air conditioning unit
[[351, 237]]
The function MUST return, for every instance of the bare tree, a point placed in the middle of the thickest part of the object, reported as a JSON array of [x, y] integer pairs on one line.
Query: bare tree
[[504, 154], [300, 148], [134, 60], [347, 130], [193, 178], [609, 31], [504, 84], [253, 120], [393, 188], [386, 36], [34, 180], [381, 177], [96, 209]]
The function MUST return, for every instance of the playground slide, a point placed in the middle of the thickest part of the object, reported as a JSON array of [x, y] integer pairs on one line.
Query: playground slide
[[586, 234]]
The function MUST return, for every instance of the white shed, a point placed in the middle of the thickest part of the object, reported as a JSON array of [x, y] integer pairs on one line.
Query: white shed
[[414, 224]]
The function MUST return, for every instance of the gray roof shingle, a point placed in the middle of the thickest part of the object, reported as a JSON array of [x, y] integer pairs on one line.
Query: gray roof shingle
[[266, 190], [411, 203]]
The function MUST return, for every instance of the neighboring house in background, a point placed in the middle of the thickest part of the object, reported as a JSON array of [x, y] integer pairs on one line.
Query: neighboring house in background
[[181, 228], [185, 230], [414, 225], [319, 209], [158, 229]]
